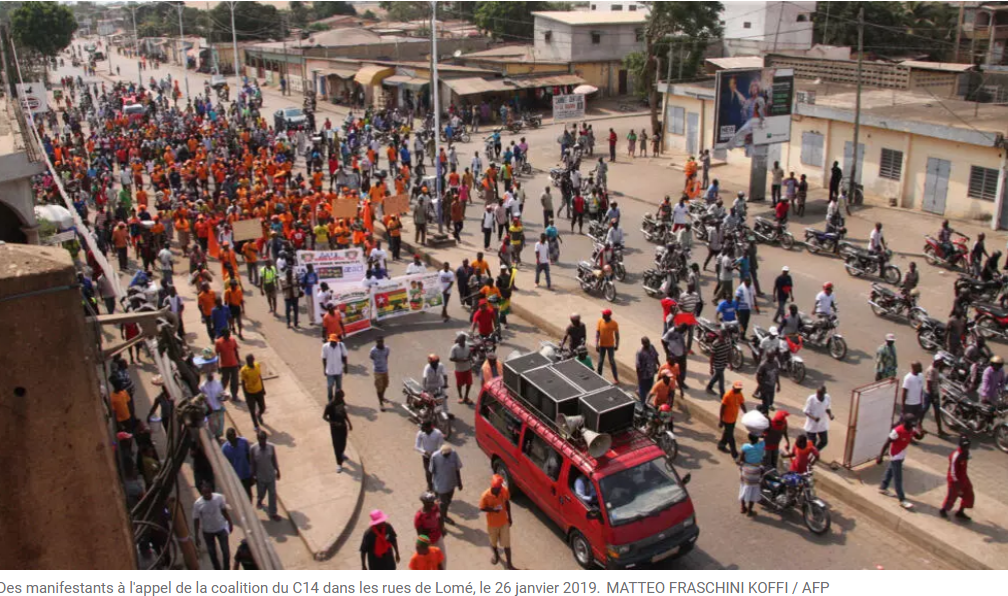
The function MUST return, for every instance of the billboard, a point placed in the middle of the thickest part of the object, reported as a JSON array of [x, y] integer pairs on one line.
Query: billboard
[[568, 107], [33, 97], [753, 107]]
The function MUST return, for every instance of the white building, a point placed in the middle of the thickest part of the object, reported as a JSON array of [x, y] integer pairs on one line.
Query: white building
[[617, 6], [754, 28]]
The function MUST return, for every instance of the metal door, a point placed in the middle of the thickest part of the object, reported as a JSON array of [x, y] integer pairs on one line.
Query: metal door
[[1003, 221], [692, 132], [848, 152], [623, 79], [936, 185]]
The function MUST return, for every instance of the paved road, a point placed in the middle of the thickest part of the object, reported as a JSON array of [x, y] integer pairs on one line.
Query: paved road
[[394, 478]]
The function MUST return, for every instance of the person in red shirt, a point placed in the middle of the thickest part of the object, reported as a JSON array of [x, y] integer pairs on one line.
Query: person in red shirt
[[229, 361], [781, 212], [803, 455], [429, 521], [484, 320], [578, 209], [612, 146], [959, 485], [897, 445]]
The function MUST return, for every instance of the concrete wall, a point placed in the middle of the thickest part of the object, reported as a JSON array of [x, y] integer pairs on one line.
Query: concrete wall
[[63, 505], [770, 20], [574, 44]]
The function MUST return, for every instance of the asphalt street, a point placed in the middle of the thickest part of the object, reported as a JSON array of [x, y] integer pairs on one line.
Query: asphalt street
[[385, 440]]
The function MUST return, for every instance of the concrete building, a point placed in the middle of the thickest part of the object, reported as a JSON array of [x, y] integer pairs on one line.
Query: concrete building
[[70, 490], [985, 27], [917, 151], [20, 159], [754, 28], [593, 43], [618, 6]]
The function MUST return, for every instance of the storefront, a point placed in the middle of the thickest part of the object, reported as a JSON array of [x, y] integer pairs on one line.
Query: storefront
[[405, 89], [370, 77]]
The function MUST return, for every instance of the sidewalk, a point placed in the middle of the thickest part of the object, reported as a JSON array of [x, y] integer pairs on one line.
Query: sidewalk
[[320, 503], [979, 545]]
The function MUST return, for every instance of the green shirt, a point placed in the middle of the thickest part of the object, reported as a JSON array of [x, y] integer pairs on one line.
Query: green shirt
[[126, 198], [885, 361], [587, 361]]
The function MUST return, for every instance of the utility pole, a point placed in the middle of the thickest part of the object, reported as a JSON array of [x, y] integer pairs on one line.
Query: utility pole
[[182, 56], [234, 47], [857, 108], [286, 70], [959, 24], [136, 47], [668, 94], [437, 117]]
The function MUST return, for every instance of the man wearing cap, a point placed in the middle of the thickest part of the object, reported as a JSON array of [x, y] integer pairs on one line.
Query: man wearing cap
[[429, 522], [818, 414], [446, 476], [783, 292], [607, 340], [427, 557], [885, 359], [334, 362], [496, 503], [730, 405], [379, 549]]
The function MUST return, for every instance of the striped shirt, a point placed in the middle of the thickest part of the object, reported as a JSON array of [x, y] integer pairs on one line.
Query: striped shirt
[[688, 302], [720, 355]]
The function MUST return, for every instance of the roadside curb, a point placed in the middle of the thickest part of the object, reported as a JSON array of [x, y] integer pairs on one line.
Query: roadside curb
[[832, 483]]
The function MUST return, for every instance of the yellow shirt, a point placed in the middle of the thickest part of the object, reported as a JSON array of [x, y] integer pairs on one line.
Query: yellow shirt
[[251, 378]]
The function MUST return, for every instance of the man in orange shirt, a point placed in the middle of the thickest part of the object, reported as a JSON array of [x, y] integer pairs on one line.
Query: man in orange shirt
[[427, 557], [730, 404], [207, 299], [663, 391], [120, 239], [496, 503], [607, 341], [332, 322], [234, 299], [251, 252]]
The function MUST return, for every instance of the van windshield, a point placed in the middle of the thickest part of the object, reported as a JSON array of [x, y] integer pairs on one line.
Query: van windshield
[[640, 492]]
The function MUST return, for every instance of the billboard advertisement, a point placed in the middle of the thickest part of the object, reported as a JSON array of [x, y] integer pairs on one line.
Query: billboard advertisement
[[33, 97], [568, 107], [753, 107]]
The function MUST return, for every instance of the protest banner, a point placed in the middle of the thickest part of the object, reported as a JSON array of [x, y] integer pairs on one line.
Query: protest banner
[[406, 295], [338, 268], [354, 303], [344, 209]]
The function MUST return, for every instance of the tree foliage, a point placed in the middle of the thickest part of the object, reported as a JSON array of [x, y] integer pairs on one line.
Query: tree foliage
[[892, 27], [46, 27], [324, 10], [160, 19], [406, 11], [689, 25], [508, 20], [253, 21]]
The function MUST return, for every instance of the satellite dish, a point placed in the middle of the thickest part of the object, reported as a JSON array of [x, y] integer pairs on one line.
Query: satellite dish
[[457, 54]]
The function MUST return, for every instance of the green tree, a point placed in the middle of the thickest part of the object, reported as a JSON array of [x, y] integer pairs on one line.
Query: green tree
[[689, 23], [324, 10], [44, 27], [508, 20], [917, 27], [299, 14], [253, 21], [406, 11], [369, 15]]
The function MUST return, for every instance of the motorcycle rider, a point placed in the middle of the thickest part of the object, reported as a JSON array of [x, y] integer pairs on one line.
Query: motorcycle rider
[[825, 302], [773, 346], [977, 254], [945, 240], [614, 236], [877, 245], [664, 214], [739, 206], [911, 279], [992, 384], [576, 333], [711, 195], [435, 379], [680, 214]]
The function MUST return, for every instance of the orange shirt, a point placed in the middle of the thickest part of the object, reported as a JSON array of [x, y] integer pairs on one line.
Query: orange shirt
[[206, 301], [732, 402], [120, 237], [120, 405], [495, 519], [662, 392], [234, 296], [227, 349], [333, 323], [251, 252], [432, 561], [607, 333]]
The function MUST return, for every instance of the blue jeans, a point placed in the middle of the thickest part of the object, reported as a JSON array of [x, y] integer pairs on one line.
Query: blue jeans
[[612, 361], [717, 377], [543, 267], [644, 385], [291, 306], [781, 304], [267, 488], [894, 474], [333, 383]]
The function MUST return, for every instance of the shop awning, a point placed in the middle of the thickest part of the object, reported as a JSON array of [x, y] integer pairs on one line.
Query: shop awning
[[557, 80], [342, 73], [405, 81], [476, 85], [373, 74]]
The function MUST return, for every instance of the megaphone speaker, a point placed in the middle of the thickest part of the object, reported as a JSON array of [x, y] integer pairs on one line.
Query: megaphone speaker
[[570, 424], [598, 444]]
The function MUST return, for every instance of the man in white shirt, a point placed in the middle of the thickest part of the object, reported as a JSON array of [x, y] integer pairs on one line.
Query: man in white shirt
[[334, 361], [379, 256], [777, 179], [825, 302], [680, 215], [913, 392], [175, 304], [416, 266], [212, 521], [446, 279], [428, 442], [476, 167], [212, 391], [817, 418], [489, 221], [164, 257], [542, 261]]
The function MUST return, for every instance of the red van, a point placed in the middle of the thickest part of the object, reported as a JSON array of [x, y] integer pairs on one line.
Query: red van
[[633, 507]]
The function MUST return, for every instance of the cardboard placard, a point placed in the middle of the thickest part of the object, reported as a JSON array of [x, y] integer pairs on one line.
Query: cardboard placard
[[397, 204], [344, 209], [246, 229]]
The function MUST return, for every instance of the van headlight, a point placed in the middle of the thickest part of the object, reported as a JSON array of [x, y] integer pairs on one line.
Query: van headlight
[[690, 522], [617, 551]]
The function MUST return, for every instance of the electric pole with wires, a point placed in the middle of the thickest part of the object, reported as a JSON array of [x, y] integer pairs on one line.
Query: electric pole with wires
[[852, 187]]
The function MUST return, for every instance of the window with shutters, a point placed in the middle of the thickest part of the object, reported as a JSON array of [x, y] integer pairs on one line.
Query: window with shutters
[[982, 183], [891, 164], [678, 117], [812, 149]]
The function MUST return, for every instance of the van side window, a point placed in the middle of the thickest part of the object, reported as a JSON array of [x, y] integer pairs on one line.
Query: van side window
[[500, 418], [582, 487], [542, 455]]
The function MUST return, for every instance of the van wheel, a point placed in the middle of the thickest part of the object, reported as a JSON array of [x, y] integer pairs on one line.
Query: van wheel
[[582, 550], [501, 470]]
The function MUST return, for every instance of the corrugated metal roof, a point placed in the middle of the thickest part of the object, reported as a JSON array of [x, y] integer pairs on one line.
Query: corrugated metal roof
[[373, 73], [476, 85], [737, 62], [547, 81], [405, 80], [945, 66], [343, 73]]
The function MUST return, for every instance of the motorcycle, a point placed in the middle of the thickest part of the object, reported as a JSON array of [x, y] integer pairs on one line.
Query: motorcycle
[[532, 120], [655, 230], [619, 270], [958, 410], [792, 490], [479, 347], [557, 176], [771, 232], [981, 291], [885, 302], [794, 367], [931, 334], [859, 261], [700, 228], [424, 407], [674, 258], [659, 283], [597, 230], [657, 425], [515, 126], [934, 252], [707, 332], [816, 241], [596, 281], [458, 136], [991, 321], [820, 334]]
